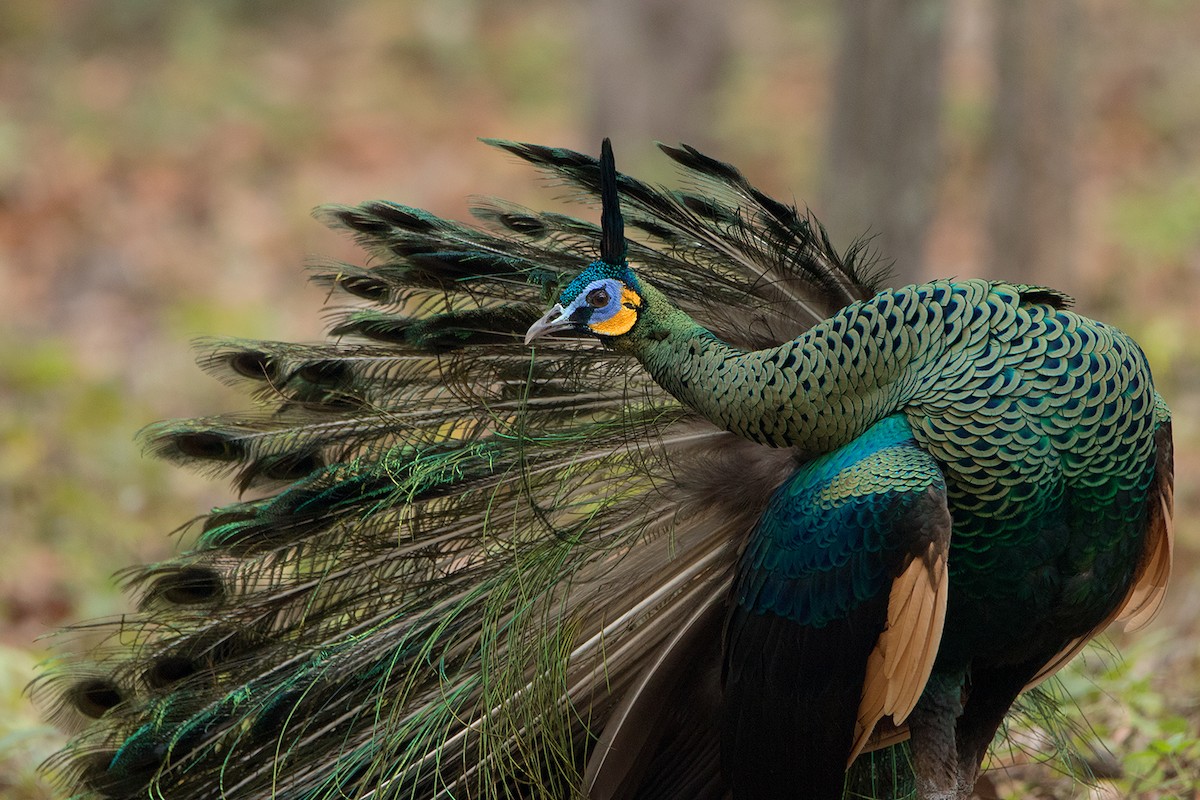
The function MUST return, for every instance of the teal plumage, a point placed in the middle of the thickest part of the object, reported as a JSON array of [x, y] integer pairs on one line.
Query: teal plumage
[[835, 514], [831, 517], [815, 578]]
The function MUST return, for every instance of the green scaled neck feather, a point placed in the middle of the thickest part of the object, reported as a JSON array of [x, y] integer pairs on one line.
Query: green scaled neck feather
[[762, 395]]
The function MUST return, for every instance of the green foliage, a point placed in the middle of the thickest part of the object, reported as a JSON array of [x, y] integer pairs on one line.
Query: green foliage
[[1135, 735], [1145, 719], [77, 503]]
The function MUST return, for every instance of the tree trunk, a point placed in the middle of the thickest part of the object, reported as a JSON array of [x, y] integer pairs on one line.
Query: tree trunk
[[1031, 214], [653, 68], [882, 171]]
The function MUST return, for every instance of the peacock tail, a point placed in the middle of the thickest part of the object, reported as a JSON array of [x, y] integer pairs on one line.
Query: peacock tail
[[463, 568]]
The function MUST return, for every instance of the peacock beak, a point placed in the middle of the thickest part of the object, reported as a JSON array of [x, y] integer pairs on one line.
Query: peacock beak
[[555, 319]]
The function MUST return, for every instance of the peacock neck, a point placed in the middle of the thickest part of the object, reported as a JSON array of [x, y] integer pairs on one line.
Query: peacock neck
[[799, 394]]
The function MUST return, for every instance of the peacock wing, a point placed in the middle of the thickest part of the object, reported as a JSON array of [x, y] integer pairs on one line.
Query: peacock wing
[[837, 612]]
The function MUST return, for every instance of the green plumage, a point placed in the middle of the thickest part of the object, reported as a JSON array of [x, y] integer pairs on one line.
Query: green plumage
[[1042, 422], [464, 570], [823, 544]]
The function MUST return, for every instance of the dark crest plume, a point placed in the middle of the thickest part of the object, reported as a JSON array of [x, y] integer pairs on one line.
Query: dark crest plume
[[612, 226]]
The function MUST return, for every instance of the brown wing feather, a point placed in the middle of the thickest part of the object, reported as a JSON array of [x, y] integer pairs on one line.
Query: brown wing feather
[[899, 666], [1145, 598]]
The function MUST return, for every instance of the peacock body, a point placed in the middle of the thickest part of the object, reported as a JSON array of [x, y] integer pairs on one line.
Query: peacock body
[[832, 518]]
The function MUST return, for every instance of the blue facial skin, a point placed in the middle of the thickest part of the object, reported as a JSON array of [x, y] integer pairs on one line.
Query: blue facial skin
[[582, 312], [596, 271]]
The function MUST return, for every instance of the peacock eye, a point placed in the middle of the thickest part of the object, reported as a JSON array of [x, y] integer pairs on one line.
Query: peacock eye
[[597, 298]]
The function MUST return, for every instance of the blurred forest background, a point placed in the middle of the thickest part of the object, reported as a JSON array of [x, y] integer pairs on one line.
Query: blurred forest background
[[159, 161]]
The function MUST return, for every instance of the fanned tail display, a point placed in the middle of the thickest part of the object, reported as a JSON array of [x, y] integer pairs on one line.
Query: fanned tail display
[[616, 564]]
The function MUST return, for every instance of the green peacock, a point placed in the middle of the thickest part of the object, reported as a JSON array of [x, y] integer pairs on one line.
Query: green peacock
[[739, 521]]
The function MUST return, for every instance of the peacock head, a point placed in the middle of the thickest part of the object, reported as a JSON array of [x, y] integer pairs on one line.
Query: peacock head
[[605, 298]]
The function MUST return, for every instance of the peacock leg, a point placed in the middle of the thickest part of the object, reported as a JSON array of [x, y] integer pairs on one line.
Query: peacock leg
[[993, 691], [932, 725]]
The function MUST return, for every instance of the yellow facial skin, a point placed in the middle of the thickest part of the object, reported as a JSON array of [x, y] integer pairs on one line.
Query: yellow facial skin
[[623, 320]]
